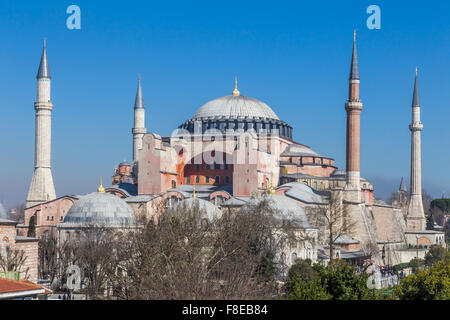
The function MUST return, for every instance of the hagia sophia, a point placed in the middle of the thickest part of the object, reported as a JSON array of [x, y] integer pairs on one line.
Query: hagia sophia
[[233, 150]]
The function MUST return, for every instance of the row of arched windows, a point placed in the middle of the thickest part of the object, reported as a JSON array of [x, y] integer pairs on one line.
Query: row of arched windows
[[206, 180]]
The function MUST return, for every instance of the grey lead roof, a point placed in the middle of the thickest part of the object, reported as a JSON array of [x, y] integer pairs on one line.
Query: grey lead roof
[[235, 106], [298, 150], [354, 70], [139, 102], [99, 209], [286, 209], [416, 101], [44, 70]]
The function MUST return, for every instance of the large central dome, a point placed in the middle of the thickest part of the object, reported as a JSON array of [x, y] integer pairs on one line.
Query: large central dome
[[235, 106], [236, 114]]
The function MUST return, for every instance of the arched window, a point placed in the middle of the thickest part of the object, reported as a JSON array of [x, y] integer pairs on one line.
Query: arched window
[[188, 180], [197, 179], [174, 184], [217, 180], [227, 180], [207, 179]]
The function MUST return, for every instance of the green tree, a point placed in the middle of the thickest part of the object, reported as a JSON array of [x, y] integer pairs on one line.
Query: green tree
[[267, 269], [416, 264], [303, 283], [436, 254], [336, 281], [431, 284], [342, 283]]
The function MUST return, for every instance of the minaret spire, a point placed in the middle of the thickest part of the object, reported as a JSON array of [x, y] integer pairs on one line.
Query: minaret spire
[[42, 188], [353, 108], [416, 100], [44, 70], [139, 101], [354, 70], [415, 220], [139, 129]]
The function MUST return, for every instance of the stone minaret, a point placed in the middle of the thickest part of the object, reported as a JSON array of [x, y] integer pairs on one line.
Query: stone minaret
[[353, 108], [139, 129], [42, 188], [415, 220]]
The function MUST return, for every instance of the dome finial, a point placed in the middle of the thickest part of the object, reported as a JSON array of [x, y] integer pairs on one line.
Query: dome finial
[[271, 189], [101, 189], [235, 91]]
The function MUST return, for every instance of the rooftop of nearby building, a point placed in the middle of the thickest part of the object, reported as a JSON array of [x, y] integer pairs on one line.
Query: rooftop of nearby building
[[13, 289]]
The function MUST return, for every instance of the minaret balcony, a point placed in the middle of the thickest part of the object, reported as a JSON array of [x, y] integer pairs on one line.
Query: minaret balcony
[[416, 126]]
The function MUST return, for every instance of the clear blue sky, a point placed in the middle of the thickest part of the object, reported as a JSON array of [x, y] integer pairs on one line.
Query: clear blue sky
[[293, 55]]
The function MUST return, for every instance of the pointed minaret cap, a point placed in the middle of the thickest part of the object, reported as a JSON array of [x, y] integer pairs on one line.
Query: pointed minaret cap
[[354, 70], [44, 70], [402, 185], [139, 102], [416, 101], [236, 91]]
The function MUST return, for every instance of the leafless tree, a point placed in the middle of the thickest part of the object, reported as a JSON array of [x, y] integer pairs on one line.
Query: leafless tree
[[95, 247], [13, 260], [333, 220], [48, 257], [190, 255]]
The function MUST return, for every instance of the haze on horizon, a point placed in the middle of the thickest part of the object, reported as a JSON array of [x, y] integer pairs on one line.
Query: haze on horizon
[[293, 57]]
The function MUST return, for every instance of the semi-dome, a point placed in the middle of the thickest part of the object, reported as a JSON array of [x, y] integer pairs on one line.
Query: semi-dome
[[286, 209], [235, 106], [101, 209]]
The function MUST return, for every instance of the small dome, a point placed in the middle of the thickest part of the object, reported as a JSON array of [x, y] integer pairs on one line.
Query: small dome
[[124, 163], [3, 214], [287, 209], [233, 106], [207, 207], [101, 209]]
